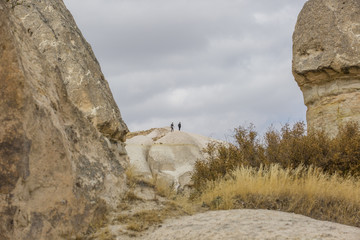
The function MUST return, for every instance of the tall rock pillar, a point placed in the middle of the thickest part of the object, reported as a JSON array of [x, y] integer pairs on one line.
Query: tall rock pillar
[[326, 62], [62, 156]]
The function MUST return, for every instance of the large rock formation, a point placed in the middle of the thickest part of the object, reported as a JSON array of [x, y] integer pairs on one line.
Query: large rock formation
[[162, 154], [326, 62], [61, 135]]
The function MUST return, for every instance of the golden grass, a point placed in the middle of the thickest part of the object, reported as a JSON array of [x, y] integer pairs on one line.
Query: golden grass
[[163, 188], [131, 177], [306, 191]]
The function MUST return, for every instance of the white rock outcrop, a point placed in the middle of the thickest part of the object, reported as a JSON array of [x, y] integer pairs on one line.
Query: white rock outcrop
[[167, 155]]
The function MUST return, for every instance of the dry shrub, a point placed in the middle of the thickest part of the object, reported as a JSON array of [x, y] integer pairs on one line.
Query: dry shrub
[[288, 170], [222, 159], [289, 148], [345, 151]]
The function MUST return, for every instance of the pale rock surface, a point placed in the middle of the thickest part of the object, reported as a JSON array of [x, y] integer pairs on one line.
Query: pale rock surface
[[326, 62], [251, 224], [61, 152], [166, 155]]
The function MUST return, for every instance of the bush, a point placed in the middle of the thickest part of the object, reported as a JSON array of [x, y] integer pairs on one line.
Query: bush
[[290, 147], [345, 151]]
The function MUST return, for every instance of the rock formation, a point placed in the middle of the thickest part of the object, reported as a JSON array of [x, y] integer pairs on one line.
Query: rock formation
[[326, 62], [62, 155], [166, 155]]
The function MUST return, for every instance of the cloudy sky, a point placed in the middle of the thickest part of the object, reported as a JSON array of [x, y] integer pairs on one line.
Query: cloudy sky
[[212, 64]]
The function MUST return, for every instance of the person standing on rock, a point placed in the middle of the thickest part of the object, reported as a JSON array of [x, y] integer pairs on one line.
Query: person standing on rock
[[172, 126], [179, 125]]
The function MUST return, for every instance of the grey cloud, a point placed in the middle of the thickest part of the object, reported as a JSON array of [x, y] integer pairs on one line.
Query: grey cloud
[[214, 64]]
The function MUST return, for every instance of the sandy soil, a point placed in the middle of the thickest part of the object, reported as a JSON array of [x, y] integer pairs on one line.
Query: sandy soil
[[251, 224]]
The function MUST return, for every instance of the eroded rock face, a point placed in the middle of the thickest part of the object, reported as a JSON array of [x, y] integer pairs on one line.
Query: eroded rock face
[[61, 152], [326, 62], [166, 155]]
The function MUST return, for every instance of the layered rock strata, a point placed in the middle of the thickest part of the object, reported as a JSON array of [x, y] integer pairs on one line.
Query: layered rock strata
[[62, 154], [169, 156], [326, 62]]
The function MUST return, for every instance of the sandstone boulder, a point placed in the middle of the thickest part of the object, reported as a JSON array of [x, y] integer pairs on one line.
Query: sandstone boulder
[[170, 156], [326, 62], [61, 152]]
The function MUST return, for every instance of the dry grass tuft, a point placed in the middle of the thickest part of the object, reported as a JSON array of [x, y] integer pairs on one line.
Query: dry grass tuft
[[130, 196], [105, 235], [163, 188], [307, 191], [134, 179], [131, 177], [143, 220]]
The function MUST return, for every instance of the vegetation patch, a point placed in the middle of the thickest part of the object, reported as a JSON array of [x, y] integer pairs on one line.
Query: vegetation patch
[[287, 170], [306, 191], [145, 219], [136, 215]]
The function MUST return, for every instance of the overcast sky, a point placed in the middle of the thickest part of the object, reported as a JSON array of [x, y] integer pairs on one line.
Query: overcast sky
[[212, 64]]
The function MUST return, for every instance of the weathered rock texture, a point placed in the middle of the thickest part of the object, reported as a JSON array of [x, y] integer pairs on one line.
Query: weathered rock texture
[[61, 152], [166, 155], [326, 62], [251, 224]]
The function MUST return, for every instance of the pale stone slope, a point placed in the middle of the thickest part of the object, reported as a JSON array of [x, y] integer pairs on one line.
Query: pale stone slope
[[251, 225], [165, 154]]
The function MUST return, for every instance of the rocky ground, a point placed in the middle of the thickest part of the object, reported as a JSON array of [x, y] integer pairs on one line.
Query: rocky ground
[[146, 213], [251, 224]]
